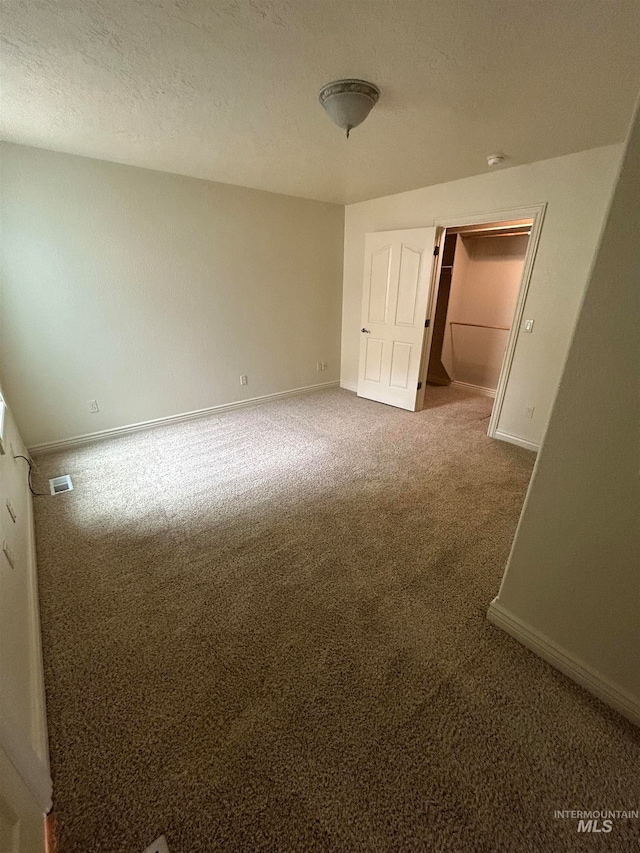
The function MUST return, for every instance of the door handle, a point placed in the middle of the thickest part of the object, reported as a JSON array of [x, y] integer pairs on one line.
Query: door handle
[[366, 331]]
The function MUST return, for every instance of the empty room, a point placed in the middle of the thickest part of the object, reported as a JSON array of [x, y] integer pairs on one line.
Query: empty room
[[319, 426]]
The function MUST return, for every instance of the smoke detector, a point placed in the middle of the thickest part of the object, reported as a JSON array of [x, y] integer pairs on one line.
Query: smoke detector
[[495, 159]]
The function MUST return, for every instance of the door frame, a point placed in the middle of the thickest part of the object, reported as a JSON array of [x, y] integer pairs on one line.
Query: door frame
[[432, 301], [535, 212]]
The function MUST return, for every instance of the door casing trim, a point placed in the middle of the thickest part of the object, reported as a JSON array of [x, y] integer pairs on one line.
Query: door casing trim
[[535, 212]]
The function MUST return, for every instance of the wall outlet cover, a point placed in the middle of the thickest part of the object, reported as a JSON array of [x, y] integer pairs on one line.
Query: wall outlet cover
[[158, 846], [93, 406]]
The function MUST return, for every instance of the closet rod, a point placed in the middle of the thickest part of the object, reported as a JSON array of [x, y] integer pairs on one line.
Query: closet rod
[[479, 326]]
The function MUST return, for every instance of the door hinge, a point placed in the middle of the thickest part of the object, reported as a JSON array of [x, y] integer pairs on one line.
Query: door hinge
[[419, 385], [436, 251], [427, 323]]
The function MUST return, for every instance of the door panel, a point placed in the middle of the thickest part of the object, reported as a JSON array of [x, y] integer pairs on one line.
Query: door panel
[[373, 360], [395, 298], [400, 364], [379, 285], [408, 286]]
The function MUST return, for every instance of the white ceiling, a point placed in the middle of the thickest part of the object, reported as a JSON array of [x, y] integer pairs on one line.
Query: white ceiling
[[227, 89]]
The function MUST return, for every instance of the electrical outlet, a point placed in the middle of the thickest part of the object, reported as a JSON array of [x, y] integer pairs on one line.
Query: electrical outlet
[[528, 325], [158, 846], [11, 510], [321, 365], [529, 411], [8, 554], [93, 406], [244, 379]]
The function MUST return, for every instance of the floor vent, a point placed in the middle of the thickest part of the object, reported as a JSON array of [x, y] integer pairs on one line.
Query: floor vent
[[60, 484]]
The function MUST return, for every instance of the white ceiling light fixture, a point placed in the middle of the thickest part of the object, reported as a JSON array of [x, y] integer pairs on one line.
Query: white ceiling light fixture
[[495, 159], [348, 102]]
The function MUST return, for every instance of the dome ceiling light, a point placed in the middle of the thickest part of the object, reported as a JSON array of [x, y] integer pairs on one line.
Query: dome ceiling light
[[348, 102]]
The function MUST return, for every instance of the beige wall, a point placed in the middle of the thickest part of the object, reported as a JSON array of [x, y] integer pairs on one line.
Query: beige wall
[[577, 189], [484, 292], [574, 571], [153, 293]]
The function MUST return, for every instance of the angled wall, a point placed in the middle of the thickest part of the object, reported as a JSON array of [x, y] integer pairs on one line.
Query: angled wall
[[572, 585]]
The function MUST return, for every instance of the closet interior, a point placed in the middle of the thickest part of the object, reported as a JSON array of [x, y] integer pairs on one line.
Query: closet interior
[[480, 278]]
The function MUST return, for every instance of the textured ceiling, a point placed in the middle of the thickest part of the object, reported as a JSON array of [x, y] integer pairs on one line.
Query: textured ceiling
[[227, 89]]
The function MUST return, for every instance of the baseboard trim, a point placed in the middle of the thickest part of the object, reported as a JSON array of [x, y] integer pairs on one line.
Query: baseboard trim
[[619, 699], [479, 389], [102, 435], [348, 386], [513, 439]]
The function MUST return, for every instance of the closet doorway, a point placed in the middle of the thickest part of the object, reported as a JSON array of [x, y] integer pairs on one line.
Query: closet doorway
[[478, 297]]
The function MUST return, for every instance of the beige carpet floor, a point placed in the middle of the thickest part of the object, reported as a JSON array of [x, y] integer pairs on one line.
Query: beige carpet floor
[[266, 631]]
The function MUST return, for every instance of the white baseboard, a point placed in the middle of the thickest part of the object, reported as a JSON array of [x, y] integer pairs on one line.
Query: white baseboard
[[348, 386], [101, 435], [612, 695], [513, 439], [487, 392]]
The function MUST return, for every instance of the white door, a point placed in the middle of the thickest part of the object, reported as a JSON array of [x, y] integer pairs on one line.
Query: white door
[[398, 272], [25, 783]]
